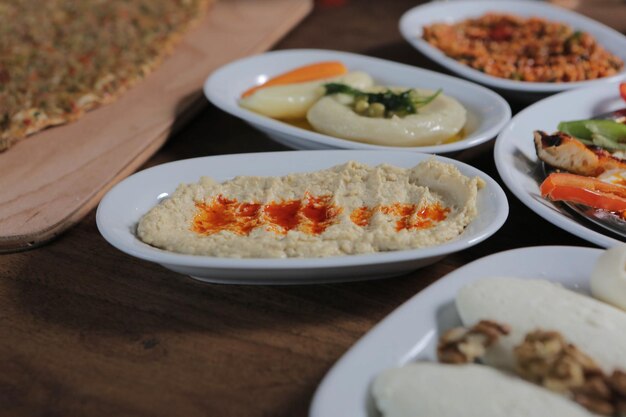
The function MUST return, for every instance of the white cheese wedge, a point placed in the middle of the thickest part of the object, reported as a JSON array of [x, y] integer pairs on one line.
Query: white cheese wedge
[[427, 389], [596, 328], [608, 279]]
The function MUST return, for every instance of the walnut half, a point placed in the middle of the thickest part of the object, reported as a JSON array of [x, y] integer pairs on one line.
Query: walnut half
[[547, 359], [461, 345]]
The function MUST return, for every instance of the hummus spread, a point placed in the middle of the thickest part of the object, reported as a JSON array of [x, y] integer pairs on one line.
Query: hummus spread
[[347, 209]]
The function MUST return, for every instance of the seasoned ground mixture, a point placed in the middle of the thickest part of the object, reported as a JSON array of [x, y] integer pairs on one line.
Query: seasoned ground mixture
[[525, 49], [60, 58]]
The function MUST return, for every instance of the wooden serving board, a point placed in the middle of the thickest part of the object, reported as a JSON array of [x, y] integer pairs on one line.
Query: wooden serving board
[[49, 181]]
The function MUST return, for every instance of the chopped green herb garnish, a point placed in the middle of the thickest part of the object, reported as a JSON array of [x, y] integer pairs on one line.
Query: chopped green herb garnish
[[393, 103]]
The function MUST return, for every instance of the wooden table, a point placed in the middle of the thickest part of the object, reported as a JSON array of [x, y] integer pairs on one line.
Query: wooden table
[[87, 330]]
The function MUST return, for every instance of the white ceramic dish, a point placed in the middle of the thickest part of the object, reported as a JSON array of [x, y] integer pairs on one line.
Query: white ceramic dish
[[121, 208], [411, 332], [487, 111], [520, 168], [413, 21]]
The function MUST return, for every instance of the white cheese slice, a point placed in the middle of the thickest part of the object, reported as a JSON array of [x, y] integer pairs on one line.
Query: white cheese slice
[[596, 328], [426, 389], [608, 279]]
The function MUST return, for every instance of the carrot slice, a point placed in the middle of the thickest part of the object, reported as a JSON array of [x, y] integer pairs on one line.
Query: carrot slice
[[584, 190], [312, 72], [622, 90]]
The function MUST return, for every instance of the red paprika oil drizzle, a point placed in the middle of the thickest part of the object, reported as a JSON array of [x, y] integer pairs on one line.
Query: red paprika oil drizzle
[[283, 216], [226, 214], [247, 217], [361, 216], [412, 219], [433, 213], [319, 212], [401, 210], [311, 215]]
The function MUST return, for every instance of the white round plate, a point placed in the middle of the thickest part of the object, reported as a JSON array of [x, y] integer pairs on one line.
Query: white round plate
[[487, 111], [520, 168], [411, 332], [122, 207], [414, 20]]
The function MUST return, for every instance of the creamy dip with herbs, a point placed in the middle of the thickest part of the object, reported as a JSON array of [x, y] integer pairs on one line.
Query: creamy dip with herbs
[[432, 122]]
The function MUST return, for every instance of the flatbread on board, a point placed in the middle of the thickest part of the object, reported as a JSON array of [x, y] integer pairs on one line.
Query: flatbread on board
[[61, 58]]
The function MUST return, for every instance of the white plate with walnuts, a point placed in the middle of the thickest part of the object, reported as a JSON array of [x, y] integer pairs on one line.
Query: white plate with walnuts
[[410, 333]]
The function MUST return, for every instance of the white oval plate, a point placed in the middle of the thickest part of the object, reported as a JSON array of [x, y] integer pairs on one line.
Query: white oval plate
[[122, 207], [487, 111], [413, 21], [411, 331], [520, 168]]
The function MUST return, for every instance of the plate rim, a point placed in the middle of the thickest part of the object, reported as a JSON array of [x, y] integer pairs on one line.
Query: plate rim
[[509, 174], [163, 257], [268, 123], [451, 64], [452, 279]]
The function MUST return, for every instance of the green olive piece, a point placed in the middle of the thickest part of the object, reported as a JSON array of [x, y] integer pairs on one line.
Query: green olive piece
[[376, 110], [361, 106]]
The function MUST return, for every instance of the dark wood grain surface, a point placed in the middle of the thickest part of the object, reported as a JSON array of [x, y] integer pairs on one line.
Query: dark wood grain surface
[[88, 330]]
